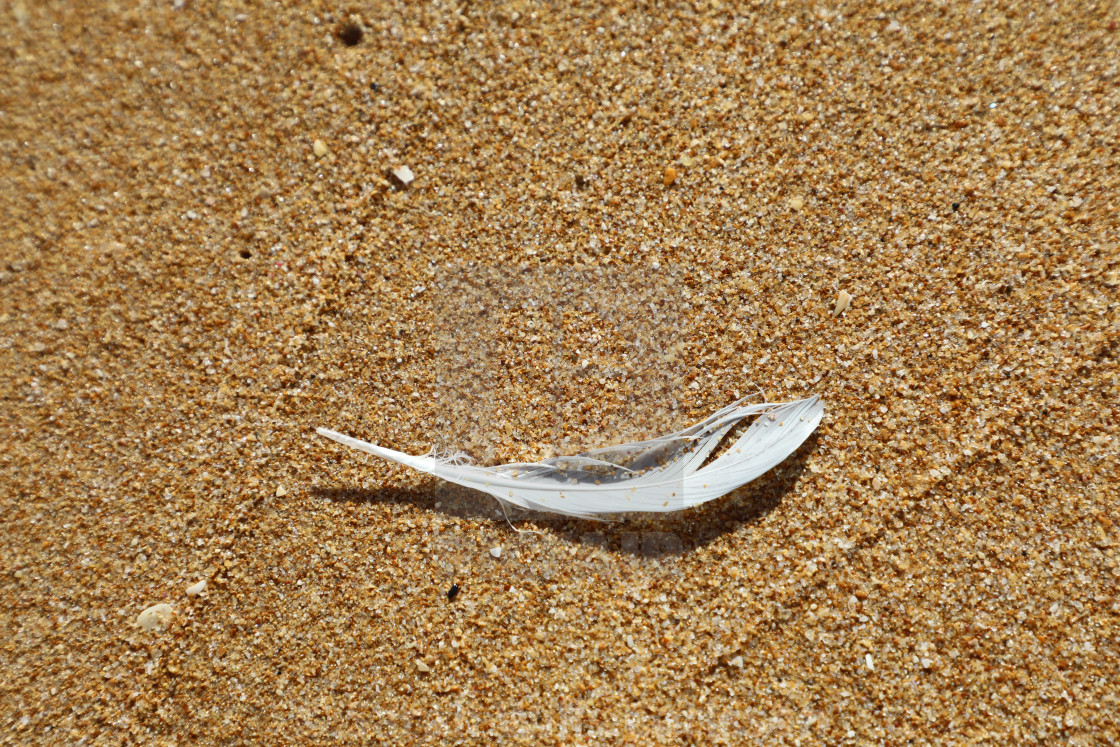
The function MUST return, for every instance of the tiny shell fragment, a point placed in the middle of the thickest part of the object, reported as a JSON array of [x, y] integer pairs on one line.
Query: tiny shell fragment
[[155, 616], [496, 551], [796, 202], [404, 174], [843, 301], [195, 589], [319, 148]]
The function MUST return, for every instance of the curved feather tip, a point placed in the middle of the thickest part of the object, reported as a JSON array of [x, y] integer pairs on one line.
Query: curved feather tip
[[663, 474]]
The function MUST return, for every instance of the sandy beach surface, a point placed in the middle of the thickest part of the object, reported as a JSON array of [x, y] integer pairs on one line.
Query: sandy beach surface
[[521, 230]]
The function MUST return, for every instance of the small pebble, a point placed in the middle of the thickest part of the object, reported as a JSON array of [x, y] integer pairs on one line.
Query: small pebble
[[281, 491], [320, 148], [453, 592], [496, 552], [737, 662], [797, 202], [156, 616], [422, 666], [350, 34], [195, 589], [670, 176], [843, 301]]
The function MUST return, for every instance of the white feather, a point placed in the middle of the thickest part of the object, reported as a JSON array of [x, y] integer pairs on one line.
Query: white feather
[[663, 474]]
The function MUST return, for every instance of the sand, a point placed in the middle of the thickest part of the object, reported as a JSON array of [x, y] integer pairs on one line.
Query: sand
[[522, 231]]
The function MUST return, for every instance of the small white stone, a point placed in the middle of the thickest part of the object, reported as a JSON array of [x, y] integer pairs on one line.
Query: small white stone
[[154, 617], [496, 551], [737, 662], [843, 301], [195, 589], [422, 666], [281, 491], [404, 174], [320, 148], [870, 662]]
